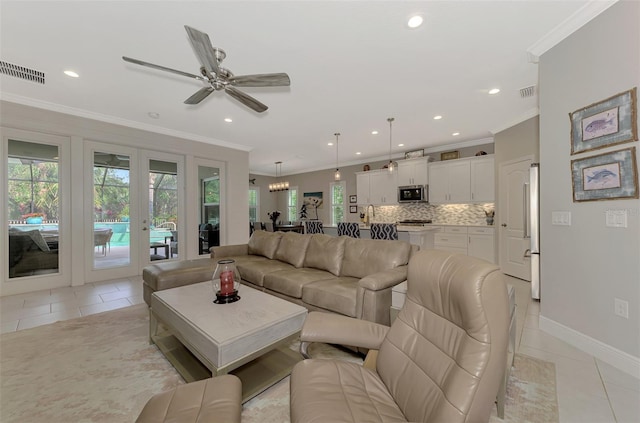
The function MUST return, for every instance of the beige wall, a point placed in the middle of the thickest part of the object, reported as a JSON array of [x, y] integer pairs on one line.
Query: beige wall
[[518, 141], [585, 266]]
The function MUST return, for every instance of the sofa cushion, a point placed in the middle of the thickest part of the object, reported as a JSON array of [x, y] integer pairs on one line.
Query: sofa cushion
[[292, 248], [363, 257], [263, 243], [255, 271], [172, 274], [336, 294], [290, 282], [325, 252]]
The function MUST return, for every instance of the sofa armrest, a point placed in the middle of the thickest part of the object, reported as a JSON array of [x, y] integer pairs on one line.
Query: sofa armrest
[[229, 251], [383, 280], [342, 330]]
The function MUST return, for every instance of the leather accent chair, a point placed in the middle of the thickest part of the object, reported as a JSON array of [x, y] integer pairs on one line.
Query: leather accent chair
[[384, 231], [442, 360], [349, 229], [215, 400], [313, 227]]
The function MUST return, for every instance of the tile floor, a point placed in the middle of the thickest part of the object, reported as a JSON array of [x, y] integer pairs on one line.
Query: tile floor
[[589, 390]]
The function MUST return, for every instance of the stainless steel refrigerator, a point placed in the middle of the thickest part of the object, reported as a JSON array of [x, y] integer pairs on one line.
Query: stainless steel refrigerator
[[533, 227]]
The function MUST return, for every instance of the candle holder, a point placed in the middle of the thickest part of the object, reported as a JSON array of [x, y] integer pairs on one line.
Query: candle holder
[[226, 282]]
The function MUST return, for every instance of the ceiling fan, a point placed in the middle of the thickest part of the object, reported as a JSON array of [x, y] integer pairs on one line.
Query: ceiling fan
[[218, 78]]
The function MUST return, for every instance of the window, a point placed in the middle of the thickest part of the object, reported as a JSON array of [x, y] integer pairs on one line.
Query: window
[[292, 204], [336, 192], [254, 201]]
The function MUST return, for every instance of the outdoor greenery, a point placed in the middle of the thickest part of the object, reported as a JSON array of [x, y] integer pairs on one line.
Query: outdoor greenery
[[33, 188], [110, 193]]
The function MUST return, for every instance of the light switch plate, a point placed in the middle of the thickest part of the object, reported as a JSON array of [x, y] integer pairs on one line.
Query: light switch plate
[[562, 218], [616, 218]]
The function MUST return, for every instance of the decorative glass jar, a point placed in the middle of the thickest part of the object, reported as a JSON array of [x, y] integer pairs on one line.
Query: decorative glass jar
[[226, 282]]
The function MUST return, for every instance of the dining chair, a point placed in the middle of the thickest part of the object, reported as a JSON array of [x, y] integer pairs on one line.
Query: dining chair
[[384, 231], [313, 227], [351, 229], [269, 227]]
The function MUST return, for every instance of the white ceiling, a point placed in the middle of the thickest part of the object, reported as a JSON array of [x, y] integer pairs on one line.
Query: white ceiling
[[352, 65]]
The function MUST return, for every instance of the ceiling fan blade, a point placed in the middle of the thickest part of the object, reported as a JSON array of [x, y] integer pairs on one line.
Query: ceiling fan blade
[[261, 80], [245, 99], [203, 49], [200, 95], [162, 68]]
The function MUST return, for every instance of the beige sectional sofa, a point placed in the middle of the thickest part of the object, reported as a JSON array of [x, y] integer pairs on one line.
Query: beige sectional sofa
[[348, 276]]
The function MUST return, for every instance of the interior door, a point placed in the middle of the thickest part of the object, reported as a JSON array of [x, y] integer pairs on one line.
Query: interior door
[[512, 218], [162, 204]]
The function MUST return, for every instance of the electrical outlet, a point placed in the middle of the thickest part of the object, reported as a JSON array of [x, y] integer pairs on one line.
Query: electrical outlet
[[621, 308]]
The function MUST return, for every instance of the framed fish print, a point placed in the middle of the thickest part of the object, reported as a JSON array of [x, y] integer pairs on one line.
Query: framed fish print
[[609, 122], [608, 176]]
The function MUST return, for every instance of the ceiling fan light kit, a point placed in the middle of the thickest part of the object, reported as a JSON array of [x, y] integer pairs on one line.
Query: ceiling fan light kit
[[218, 78], [336, 175]]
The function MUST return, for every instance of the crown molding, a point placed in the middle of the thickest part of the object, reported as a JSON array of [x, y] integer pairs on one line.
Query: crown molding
[[54, 107], [567, 27]]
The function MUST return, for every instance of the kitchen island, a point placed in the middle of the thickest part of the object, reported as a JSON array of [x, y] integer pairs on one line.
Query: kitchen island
[[422, 236]]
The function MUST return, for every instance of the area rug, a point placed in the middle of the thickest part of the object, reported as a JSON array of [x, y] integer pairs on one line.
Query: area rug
[[101, 368]]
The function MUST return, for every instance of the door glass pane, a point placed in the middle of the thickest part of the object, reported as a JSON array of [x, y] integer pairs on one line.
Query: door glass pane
[[209, 227], [163, 209], [111, 183], [33, 208]]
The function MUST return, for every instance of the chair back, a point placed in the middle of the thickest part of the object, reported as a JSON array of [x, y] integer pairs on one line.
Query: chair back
[[269, 227], [313, 227], [349, 229], [443, 358], [384, 231]]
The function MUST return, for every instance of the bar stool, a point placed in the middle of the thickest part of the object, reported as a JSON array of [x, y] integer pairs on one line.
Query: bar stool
[[349, 229], [384, 231], [313, 227]]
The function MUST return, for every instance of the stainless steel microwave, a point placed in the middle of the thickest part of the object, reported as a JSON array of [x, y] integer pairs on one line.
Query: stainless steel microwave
[[413, 194]]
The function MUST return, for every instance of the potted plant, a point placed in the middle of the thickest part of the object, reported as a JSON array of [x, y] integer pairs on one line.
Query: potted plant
[[274, 215]]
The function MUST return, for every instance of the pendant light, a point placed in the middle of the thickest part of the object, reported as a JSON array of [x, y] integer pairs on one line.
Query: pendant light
[[336, 175], [278, 185], [392, 165]]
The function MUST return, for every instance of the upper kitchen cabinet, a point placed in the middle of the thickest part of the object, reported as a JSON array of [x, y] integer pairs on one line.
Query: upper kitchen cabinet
[[377, 187], [449, 182], [413, 172], [482, 180]]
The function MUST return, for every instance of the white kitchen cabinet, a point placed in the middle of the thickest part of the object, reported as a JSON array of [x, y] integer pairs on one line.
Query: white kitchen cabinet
[[482, 243], [413, 172], [378, 187], [449, 182], [482, 180], [452, 239]]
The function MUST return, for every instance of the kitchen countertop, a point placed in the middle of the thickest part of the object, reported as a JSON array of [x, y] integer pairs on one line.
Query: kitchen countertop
[[426, 228]]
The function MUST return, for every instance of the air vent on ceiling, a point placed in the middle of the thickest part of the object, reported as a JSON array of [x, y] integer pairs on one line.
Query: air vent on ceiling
[[21, 72], [527, 91]]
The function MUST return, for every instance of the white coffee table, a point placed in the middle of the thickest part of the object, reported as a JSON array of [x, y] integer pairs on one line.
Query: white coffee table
[[240, 338]]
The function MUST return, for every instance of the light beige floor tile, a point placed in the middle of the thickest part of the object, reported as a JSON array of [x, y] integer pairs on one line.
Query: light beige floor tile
[[62, 290], [136, 299], [540, 340], [76, 302], [578, 410], [31, 322], [625, 403], [615, 376], [53, 298], [117, 295], [96, 289], [8, 326], [11, 301], [26, 312], [99, 308]]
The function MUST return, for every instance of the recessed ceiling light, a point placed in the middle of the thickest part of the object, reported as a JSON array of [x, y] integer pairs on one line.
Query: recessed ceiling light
[[71, 74], [438, 117], [329, 143], [154, 115], [374, 132], [358, 153], [415, 21], [455, 134], [400, 145], [494, 91], [228, 120]]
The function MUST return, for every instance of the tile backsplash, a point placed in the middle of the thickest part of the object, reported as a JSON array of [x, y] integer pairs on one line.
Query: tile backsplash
[[453, 214]]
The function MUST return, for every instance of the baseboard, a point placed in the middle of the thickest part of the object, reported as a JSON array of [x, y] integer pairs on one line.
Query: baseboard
[[616, 358]]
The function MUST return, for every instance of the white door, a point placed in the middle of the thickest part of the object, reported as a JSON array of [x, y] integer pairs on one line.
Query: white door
[[511, 218]]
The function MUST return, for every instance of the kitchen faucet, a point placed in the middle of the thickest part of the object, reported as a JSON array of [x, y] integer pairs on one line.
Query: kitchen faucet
[[366, 218]]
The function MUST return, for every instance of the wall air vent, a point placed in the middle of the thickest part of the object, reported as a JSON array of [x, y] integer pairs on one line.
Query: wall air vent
[[21, 72], [527, 91]]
